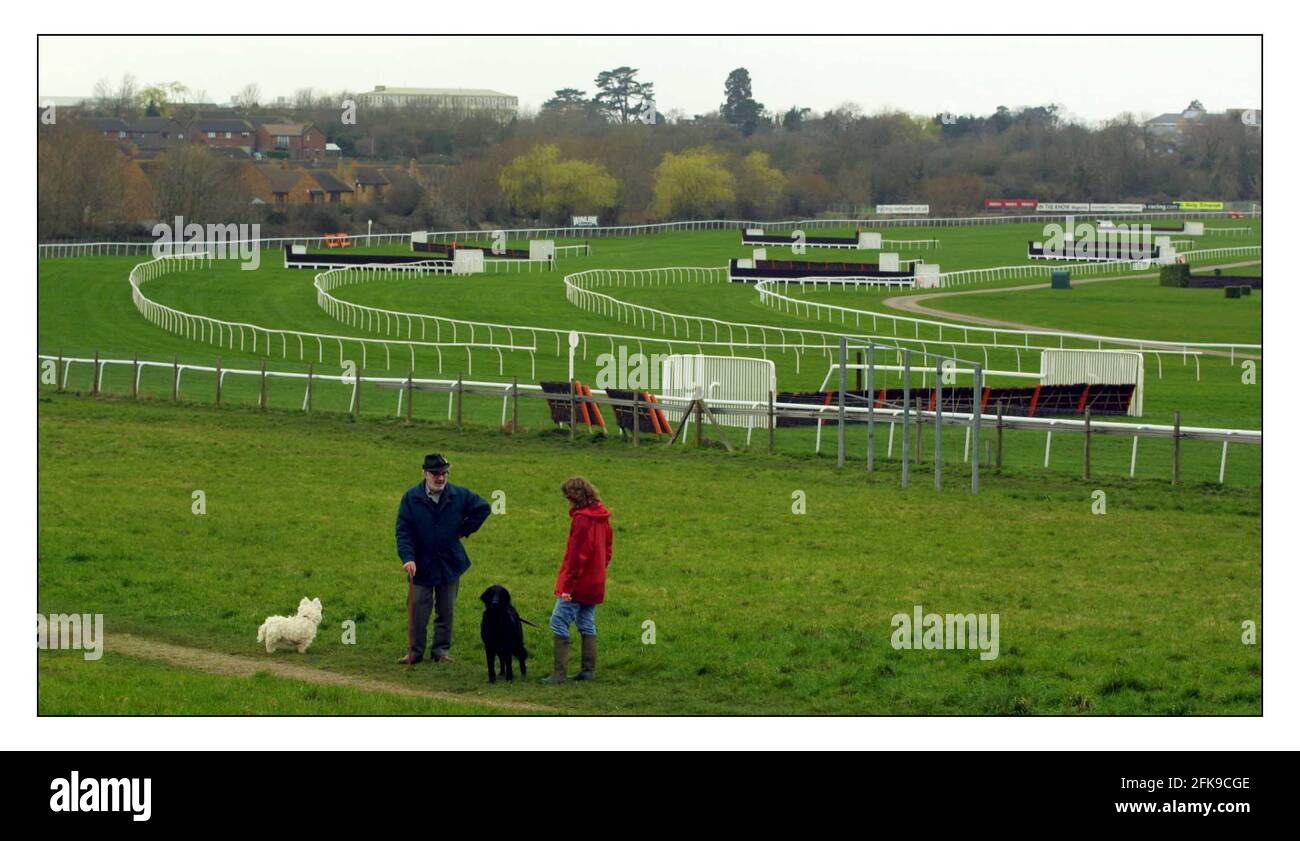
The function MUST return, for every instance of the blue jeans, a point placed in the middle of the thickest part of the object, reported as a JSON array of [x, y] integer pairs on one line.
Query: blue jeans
[[567, 613]]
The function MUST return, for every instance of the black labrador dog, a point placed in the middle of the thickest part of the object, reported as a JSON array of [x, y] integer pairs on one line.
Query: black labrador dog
[[503, 634]]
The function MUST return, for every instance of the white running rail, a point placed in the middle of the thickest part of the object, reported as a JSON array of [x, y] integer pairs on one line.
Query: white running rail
[[86, 249], [258, 339]]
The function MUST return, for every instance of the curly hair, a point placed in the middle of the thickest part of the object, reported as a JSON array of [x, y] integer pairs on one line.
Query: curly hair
[[579, 492]]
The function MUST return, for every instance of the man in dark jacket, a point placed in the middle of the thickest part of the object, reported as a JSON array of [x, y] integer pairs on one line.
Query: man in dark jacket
[[432, 519]]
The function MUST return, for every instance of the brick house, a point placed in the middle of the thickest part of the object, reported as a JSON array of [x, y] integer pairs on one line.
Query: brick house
[[156, 131], [281, 186], [224, 131], [300, 142], [151, 136], [329, 188], [370, 184], [113, 127]]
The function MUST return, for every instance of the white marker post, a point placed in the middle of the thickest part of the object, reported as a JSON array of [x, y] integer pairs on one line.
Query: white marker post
[[573, 348]]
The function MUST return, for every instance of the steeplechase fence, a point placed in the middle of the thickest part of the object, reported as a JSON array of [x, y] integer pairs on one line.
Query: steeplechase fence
[[902, 417]]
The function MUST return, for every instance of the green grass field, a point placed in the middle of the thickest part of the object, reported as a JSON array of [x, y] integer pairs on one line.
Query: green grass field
[[1106, 308], [757, 610], [128, 685]]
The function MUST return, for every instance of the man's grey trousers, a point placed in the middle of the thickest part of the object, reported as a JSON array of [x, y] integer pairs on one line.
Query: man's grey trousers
[[426, 600]]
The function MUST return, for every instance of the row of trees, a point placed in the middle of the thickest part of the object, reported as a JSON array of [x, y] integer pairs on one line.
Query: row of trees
[[129, 98], [599, 154], [86, 188], [815, 162]]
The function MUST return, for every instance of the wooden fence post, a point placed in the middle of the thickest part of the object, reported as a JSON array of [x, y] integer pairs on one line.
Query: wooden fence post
[[999, 462], [410, 395], [699, 420], [94, 377], [1087, 443], [907, 410], [871, 407], [771, 422], [636, 418], [1178, 424], [977, 414], [218, 380], [460, 400], [135, 375], [58, 374], [311, 370], [176, 379], [261, 391], [514, 405]]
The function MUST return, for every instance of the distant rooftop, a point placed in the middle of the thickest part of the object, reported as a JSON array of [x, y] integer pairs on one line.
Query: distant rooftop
[[293, 129]]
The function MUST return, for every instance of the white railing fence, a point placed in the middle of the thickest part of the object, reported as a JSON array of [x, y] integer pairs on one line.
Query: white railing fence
[[297, 344], [130, 248], [995, 337], [751, 413]]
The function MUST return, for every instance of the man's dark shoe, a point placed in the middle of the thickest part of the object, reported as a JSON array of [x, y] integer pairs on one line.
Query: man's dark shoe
[[409, 660]]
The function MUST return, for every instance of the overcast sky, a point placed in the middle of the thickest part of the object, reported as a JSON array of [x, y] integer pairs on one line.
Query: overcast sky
[[1091, 78]]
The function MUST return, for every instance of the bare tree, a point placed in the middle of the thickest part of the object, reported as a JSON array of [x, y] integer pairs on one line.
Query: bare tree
[[188, 181], [80, 182], [249, 96], [118, 100]]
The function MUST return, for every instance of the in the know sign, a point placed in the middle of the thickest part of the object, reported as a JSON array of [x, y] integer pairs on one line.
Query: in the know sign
[[1063, 207]]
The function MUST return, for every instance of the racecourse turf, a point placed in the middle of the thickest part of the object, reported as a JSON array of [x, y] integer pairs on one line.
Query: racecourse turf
[[756, 609]]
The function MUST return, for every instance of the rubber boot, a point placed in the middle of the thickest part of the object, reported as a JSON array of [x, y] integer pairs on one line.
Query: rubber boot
[[560, 672], [588, 659]]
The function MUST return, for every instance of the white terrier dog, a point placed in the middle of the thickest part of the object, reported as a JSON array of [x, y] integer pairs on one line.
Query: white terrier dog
[[295, 632]]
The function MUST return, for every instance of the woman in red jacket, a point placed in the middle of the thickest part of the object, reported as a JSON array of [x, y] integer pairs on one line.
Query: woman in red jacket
[[580, 585]]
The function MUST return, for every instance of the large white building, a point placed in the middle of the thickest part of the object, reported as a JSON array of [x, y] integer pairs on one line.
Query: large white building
[[1175, 124], [457, 99]]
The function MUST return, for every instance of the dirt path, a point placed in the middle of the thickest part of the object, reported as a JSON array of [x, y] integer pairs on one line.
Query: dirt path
[[232, 664], [916, 303]]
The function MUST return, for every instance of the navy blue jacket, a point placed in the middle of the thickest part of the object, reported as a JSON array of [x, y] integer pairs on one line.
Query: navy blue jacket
[[430, 535]]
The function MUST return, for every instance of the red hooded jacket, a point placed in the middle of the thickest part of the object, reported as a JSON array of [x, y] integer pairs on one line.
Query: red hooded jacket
[[591, 546]]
